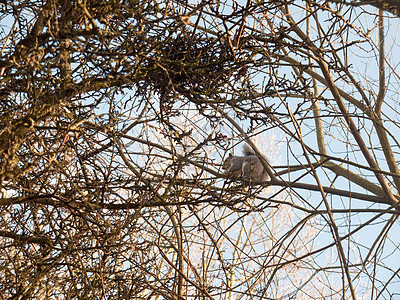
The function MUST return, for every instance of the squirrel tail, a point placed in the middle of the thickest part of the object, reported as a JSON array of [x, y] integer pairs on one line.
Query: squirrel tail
[[247, 150]]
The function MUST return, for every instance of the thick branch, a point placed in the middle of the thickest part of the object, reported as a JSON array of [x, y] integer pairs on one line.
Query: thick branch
[[378, 124], [26, 238]]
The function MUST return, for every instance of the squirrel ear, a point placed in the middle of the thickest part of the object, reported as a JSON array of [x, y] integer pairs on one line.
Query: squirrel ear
[[230, 155]]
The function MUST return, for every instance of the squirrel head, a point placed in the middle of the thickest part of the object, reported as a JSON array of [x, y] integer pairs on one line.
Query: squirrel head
[[227, 162]]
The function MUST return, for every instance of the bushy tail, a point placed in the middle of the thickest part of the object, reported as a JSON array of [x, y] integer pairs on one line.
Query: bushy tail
[[247, 150]]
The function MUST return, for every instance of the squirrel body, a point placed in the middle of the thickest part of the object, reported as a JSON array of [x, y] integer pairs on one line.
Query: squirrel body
[[248, 166]]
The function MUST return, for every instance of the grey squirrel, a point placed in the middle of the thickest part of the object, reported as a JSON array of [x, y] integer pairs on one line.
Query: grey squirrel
[[247, 166]]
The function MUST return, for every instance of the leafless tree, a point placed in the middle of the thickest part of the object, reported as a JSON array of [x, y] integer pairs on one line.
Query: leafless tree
[[116, 117]]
